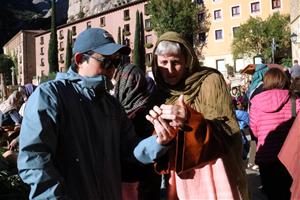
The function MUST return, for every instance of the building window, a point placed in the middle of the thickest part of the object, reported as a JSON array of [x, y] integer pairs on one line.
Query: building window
[[88, 24], [102, 21], [61, 46], [41, 40], [234, 30], [126, 30], [255, 7], [148, 39], [74, 30], [146, 9], [199, 1], [201, 17], [148, 26], [235, 11], [61, 58], [42, 51], [202, 37], [276, 4], [219, 34], [217, 14], [42, 62], [126, 15], [61, 34]]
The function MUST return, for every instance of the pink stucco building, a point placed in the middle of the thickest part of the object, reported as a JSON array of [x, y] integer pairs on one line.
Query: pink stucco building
[[123, 16], [22, 48]]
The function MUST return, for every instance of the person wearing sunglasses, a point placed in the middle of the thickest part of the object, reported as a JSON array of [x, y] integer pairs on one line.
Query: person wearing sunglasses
[[75, 136]]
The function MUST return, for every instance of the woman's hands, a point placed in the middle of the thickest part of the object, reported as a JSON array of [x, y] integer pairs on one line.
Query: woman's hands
[[167, 119]]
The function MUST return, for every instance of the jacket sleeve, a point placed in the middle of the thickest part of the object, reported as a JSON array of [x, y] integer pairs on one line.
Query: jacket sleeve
[[253, 119], [149, 150], [38, 142]]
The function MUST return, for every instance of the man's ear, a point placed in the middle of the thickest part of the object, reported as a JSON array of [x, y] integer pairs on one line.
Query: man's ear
[[78, 58]]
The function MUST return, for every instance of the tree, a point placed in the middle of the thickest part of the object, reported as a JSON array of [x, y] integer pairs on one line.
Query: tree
[[52, 50], [119, 35], [175, 15], [15, 68], [142, 43], [137, 41], [6, 63], [68, 51], [5, 73], [255, 37]]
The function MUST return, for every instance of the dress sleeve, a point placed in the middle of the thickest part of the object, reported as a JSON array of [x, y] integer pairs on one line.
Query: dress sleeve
[[38, 142], [214, 102]]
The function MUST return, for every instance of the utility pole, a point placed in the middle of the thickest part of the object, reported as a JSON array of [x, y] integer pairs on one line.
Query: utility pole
[[273, 48]]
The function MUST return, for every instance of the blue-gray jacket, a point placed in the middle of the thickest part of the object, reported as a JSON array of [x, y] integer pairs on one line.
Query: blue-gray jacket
[[74, 138]]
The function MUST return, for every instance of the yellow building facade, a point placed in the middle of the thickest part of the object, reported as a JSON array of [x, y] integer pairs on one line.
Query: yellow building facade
[[295, 28], [225, 17]]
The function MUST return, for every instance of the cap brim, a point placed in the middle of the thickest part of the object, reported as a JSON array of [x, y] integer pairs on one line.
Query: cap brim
[[111, 48]]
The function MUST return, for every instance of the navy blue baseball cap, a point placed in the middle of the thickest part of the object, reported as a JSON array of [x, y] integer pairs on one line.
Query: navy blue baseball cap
[[99, 41]]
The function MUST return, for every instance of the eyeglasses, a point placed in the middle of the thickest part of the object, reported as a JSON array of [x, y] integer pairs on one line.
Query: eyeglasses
[[107, 62]]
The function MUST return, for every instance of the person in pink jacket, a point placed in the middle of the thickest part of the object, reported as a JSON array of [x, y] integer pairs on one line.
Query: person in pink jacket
[[270, 120]]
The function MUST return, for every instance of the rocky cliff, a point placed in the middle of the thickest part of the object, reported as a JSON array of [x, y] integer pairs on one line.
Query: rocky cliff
[[84, 8], [28, 14]]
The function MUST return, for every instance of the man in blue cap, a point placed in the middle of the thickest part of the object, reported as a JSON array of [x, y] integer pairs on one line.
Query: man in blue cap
[[74, 135]]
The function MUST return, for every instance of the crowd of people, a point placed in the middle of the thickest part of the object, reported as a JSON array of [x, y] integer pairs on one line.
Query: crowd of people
[[106, 130]]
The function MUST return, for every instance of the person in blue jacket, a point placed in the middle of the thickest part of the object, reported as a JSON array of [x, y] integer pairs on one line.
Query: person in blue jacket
[[75, 135]]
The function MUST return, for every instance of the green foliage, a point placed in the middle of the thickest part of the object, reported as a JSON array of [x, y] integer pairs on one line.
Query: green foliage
[[11, 185], [126, 18], [15, 67], [51, 76], [137, 40], [255, 36], [52, 51], [68, 51], [126, 33], [80, 14], [148, 45], [119, 35], [174, 15], [142, 42], [287, 62], [5, 67]]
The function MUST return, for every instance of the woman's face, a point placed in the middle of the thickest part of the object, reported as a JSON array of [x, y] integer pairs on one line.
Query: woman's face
[[171, 67]]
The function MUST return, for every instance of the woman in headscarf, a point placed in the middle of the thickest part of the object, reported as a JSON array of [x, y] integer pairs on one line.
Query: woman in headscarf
[[139, 181], [197, 138]]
